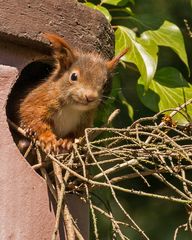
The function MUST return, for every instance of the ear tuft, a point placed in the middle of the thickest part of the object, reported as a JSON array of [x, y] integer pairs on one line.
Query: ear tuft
[[62, 51], [57, 41], [113, 63]]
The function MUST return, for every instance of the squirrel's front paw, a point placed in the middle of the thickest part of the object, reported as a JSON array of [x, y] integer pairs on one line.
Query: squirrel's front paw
[[48, 142], [66, 144], [28, 131]]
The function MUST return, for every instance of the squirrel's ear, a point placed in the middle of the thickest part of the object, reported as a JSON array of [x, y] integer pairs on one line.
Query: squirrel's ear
[[61, 50], [113, 62]]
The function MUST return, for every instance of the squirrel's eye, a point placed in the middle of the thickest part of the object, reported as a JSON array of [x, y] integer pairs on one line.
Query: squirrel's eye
[[74, 76]]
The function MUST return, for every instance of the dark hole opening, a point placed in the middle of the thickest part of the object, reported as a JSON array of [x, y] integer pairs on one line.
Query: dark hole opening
[[30, 77]]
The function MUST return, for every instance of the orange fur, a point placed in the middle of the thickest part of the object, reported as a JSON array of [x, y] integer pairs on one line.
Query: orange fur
[[62, 99]]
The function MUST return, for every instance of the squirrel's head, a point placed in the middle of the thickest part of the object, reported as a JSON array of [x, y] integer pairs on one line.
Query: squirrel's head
[[83, 77]]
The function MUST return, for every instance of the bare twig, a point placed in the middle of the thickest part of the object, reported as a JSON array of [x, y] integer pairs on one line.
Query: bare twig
[[141, 150]]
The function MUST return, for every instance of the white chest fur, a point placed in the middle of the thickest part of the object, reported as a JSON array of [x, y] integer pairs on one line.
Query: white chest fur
[[66, 120]]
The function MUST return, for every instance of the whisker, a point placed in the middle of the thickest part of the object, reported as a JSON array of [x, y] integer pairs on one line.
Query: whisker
[[117, 88], [108, 97], [115, 74]]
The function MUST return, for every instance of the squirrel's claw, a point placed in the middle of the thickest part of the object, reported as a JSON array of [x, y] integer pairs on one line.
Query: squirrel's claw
[[48, 142], [66, 144]]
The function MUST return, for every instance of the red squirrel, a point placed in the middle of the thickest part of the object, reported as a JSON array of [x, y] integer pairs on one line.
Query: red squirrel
[[60, 108]]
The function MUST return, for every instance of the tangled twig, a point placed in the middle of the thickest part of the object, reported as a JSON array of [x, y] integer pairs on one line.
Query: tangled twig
[[141, 150]]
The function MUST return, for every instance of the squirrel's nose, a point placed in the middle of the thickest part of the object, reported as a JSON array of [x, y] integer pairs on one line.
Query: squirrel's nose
[[91, 96]]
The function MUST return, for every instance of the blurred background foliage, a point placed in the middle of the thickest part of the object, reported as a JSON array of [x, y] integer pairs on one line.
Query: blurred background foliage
[[155, 72], [153, 76]]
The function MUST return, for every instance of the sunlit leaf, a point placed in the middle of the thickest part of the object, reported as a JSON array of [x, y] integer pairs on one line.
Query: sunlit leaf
[[168, 90], [142, 52], [169, 35], [101, 9], [128, 10]]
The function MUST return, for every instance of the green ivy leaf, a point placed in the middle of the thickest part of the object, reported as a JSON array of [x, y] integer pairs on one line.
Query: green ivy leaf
[[101, 9], [128, 10], [168, 90], [120, 3], [142, 52], [169, 35]]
